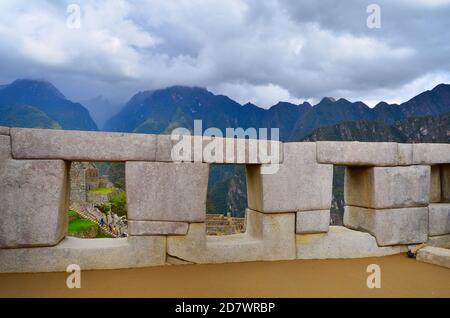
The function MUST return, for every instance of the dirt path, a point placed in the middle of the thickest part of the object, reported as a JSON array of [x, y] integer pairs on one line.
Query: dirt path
[[400, 277]]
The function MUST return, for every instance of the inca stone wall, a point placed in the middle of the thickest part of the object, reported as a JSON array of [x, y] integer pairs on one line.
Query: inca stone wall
[[396, 195]]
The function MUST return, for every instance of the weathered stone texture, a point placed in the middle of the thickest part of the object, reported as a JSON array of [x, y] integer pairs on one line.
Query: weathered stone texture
[[435, 184], [341, 242], [445, 183], [300, 184], [439, 241], [157, 228], [34, 196], [357, 153], [405, 154], [4, 130], [308, 222], [185, 148], [430, 154], [159, 191], [390, 226], [5, 147], [434, 255], [439, 219], [387, 187], [81, 145], [89, 254]]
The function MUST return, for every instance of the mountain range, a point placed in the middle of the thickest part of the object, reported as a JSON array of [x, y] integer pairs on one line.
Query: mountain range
[[424, 118]]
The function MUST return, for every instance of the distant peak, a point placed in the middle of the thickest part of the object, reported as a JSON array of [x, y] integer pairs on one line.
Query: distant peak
[[328, 100], [36, 85], [248, 104]]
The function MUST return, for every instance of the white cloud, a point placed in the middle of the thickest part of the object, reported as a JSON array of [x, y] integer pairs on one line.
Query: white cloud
[[250, 50]]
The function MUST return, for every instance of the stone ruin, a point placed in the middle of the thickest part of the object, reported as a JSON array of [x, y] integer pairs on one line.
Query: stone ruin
[[396, 196]]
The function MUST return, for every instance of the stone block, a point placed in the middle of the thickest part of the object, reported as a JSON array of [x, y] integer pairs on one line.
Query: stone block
[[4, 130], [357, 153], [158, 191], [34, 196], [390, 226], [268, 237], [434, 255], [439, 219], [445, 183], [82, 145], [439, 241], [435, 184], [341, 242], [89, 254], [405, 154], [387, 187], [300, 184], [186, 148], [308, 222], [157, 228], [431, 154], [5, 147], [277, 231]]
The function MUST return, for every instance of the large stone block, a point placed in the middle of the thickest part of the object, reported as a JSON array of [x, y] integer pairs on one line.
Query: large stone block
[[435, 184], [158, 191], [434, 255], [34, 202], [4, 130], [341, 242], [439, 241], [445, 183], [387, 187], [186, 148], [439, 219], [357, 153], [5, 147], [268, 237], [308, 222], [277, 231], [142, 228], [82, 145], [390, 226], [300, 184], [431, 154], [89, 254]]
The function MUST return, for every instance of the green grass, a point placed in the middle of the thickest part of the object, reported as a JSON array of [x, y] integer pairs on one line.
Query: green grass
[[73, 214], [80, 225], [102, 190]]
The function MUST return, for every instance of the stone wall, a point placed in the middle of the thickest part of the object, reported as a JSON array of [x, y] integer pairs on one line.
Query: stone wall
[[396, 195]]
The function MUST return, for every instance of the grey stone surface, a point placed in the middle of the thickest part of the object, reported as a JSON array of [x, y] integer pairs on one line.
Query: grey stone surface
[[439, 219], [268, 237], [435, 184], [300, 184], [5, 147], [341, 242], [308, 222], [445, 183], [387, 187], [34, 202], [390, 226], [185, 148], [4, 130], [434, 255], [89, 254], [159, 191], [405, 154], [357, 153], [430, 154], [81, 145], [439, 241], [157, 228]]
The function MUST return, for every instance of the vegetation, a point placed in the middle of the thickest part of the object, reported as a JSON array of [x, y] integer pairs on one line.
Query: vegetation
[[80, 227], [119, 204], [102, 190]]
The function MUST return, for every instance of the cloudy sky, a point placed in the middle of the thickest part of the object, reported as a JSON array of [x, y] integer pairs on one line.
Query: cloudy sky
[[250, 50]]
